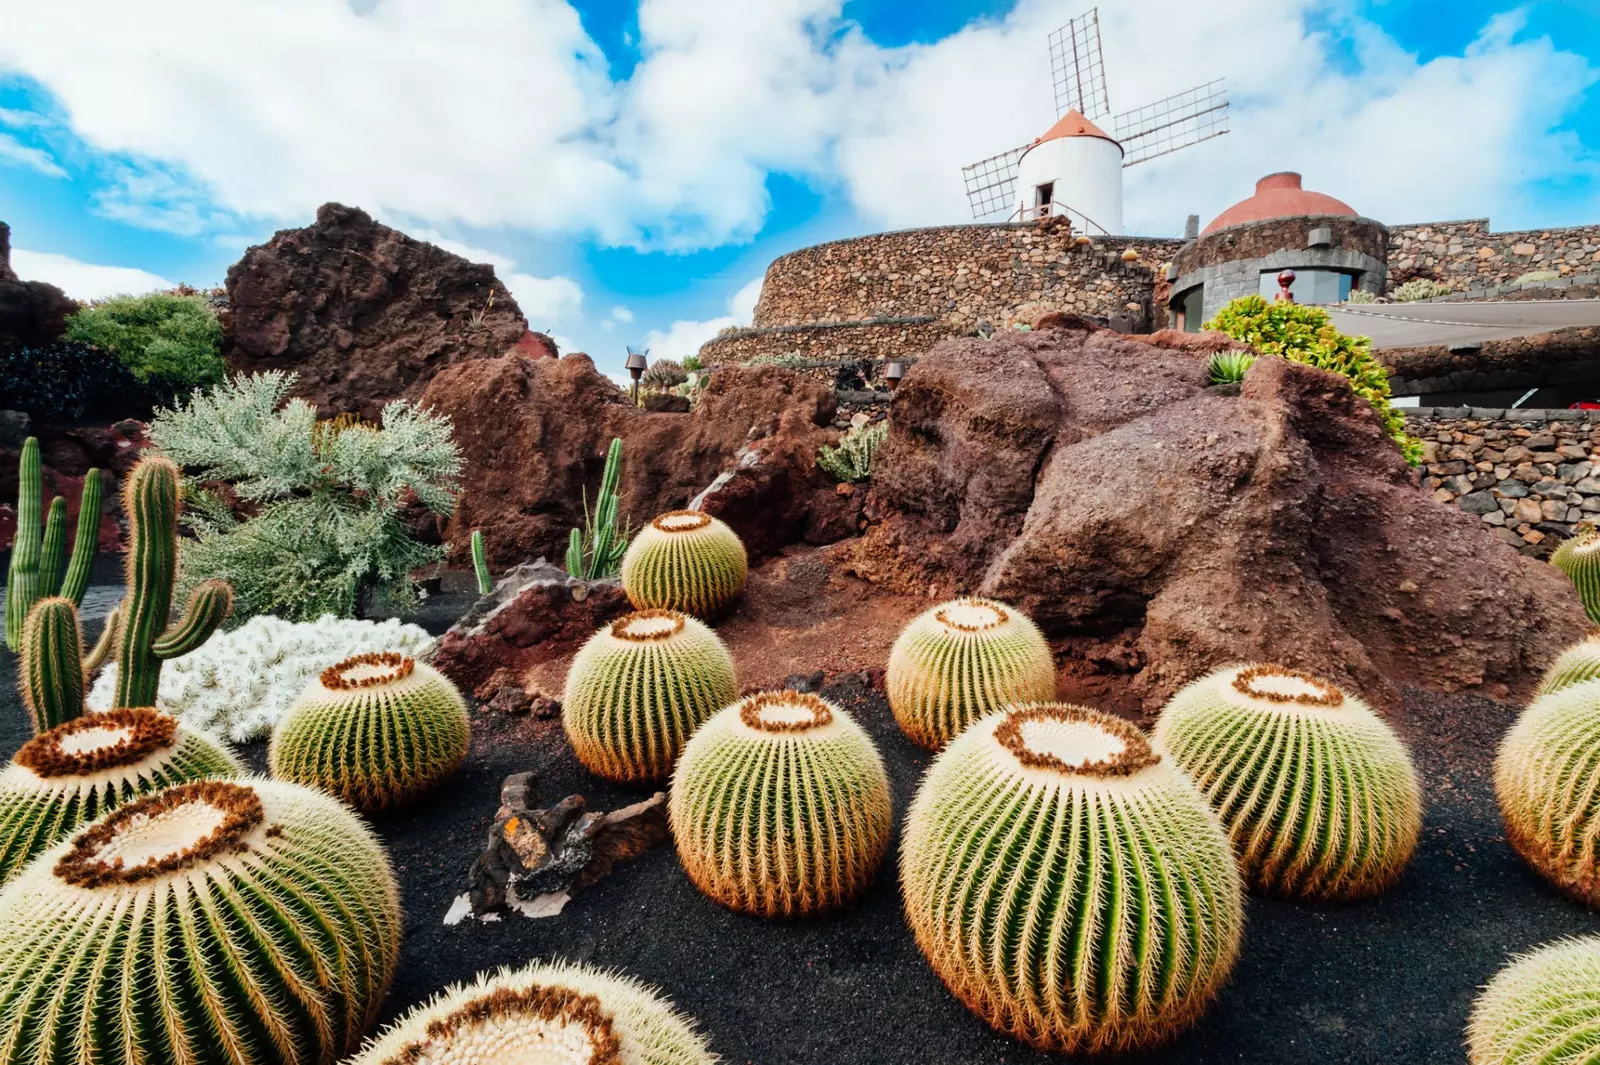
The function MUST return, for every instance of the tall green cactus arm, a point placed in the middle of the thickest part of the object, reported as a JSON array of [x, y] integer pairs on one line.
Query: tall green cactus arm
[[53, 678], [480, 564], [209, 606], [103, 646], [87, 541], [575, 554], [53, 556], [22, 579]]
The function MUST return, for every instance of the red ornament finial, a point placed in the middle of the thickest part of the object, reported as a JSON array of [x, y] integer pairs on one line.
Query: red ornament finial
[[1285, 282]]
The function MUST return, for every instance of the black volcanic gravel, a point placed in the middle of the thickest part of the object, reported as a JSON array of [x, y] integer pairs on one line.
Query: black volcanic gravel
[[1389, 980]]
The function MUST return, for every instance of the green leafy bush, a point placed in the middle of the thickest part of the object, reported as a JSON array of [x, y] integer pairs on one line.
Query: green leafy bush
[[1361, 295], [1306, 334], [693, 363], [161, 336], [325, 528], [851, 460], [1418, 288]]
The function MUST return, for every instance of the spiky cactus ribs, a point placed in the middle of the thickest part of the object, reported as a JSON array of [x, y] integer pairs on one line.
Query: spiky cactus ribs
[[377, 730], [1545, 775], [549, 1014], [52, 667], [1318, 794], [1579, 558], [687, 561], [962, 660], [639, 688], [1542, 1009], [254, 922], [780, 806], [79, 771], [1576, 664], [1067, 883]]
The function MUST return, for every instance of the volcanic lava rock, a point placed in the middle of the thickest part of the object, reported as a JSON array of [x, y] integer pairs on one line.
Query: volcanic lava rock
[[363, 313], [1098, 484], [32, 313]]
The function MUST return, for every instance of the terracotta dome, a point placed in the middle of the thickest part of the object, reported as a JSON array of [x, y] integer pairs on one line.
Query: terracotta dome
[[1074, 124], [1279, 196]]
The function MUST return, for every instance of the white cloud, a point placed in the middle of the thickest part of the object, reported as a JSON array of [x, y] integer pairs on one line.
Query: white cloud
[[14, 153], [683, 338], [545, 300], [84, 281], [621, 314]]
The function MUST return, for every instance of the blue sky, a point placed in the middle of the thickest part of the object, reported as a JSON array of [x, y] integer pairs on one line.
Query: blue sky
[[631, 166]]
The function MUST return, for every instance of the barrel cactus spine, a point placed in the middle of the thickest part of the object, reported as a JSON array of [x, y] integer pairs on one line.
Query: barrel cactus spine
[[553, 1014], [254, 922], [1579, 558], [52, 667], [961, 661], [1318, 794], [39, 567], [80, 770], [1068, 883], [376, 730], [780, 806], [1576, 664], [685, 560], [1541, 1009], [152, 498], [639, 688], [1545, 774]]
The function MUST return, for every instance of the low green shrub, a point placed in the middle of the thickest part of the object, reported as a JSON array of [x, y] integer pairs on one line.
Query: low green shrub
[[663, 374], [1306, 334], [1228, 367], [1360, 295], [161, 336], [1419, 288], [851, 460]]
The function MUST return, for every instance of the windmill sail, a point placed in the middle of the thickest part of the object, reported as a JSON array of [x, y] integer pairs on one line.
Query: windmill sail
[[1176, 122], [992, 183], [1077, 68]]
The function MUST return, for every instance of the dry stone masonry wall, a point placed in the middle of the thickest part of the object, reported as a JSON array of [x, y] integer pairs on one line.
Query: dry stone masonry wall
[[1470, 259]]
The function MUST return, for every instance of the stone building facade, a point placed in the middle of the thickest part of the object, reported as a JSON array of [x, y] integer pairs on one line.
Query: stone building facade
[[1475, 261]]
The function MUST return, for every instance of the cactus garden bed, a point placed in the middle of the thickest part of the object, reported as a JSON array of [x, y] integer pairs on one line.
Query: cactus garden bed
[[1390, 979]]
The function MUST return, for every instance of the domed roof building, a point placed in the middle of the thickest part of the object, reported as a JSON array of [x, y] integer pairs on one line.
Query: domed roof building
[[1279, 195]]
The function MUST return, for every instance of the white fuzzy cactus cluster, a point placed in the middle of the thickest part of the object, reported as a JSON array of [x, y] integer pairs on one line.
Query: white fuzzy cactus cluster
[[240, 683]]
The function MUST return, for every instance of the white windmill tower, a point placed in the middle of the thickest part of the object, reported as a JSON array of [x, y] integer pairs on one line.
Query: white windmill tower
[[1075, 169]]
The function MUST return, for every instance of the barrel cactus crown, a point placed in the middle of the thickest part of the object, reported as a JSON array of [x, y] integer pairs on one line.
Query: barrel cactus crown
[[254, 922], [1067, 883], [543, 1014], [1317, 793], [639, 688], [780, 806], [1579, 558], [1544, 776], [377, 730], [685, 560], [963, 660], [77, 772], [1542, 1009], [1576, 664]]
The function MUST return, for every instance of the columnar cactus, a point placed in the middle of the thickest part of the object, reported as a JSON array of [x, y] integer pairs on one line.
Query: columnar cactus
[[685, 560], [1318, 794], [52, 667], [639, 688], [39, 567], [780, 806], [79, 771], [1542, 1009], [1067, 883], [1545, 775], [1579, 558], [963, 660], [253, 922], [376, 730], [480, 564], [1576, 664], [546, 1013], [152, 498]]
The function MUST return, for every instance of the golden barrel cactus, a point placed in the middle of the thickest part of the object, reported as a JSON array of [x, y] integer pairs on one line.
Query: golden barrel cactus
[[1317, 792], [1542, 1009], [1576, 664], [780, 806], [542, 1014], [1579, 558], [687, 561], [963, 660], [1068, 884], [639, 688]]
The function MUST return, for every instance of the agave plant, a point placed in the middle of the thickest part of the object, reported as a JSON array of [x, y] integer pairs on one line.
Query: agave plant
[[1228, 367]]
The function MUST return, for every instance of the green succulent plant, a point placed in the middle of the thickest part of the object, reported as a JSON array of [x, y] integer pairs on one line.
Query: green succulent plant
[[554, 1013], [53, 672], [81, 770], [851, 459], [962, 660], [1067, 883], [1318, 794], [1579, 558], [1545, 775], [480, 564], [39, 564], [1228, 367], [1541, 1009], [377, 730], [780, 806], [687, 561], [639, 688], [253, 922], [1576, 664]]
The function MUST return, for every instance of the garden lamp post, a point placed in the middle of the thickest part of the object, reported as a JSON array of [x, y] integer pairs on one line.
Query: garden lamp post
[[1285, 283], [636, 364], [892, 374]]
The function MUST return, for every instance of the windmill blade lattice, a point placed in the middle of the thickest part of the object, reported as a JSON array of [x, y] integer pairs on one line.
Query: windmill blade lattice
[[1077, 67], [1176, 122], [992, 183]]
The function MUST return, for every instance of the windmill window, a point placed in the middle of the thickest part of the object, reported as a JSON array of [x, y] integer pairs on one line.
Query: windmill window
[[1044, 195]]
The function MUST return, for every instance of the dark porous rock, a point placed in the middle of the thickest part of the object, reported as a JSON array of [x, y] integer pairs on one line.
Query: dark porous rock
[[535, 613], [833, 516], [15, 428], [362, 312], [666, 403], [1093, 480], [768, 496], [503, 693], [66, 455], [806, 682], [534, 434], [32, 313]]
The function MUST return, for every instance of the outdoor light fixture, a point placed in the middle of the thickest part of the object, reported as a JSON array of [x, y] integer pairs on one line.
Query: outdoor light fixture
[[1285, 283], [892, 374], [636, 364]]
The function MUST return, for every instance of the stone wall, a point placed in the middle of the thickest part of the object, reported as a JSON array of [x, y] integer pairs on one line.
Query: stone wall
[[1531, 475], [829, 342], [1533, 361], [1471, 259]]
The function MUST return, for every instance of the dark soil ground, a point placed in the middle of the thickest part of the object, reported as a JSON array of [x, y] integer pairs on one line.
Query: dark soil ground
[[1384, 981]]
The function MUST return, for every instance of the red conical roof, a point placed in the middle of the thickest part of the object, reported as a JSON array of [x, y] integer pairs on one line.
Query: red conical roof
[[1074, 124], [1278, 196]]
